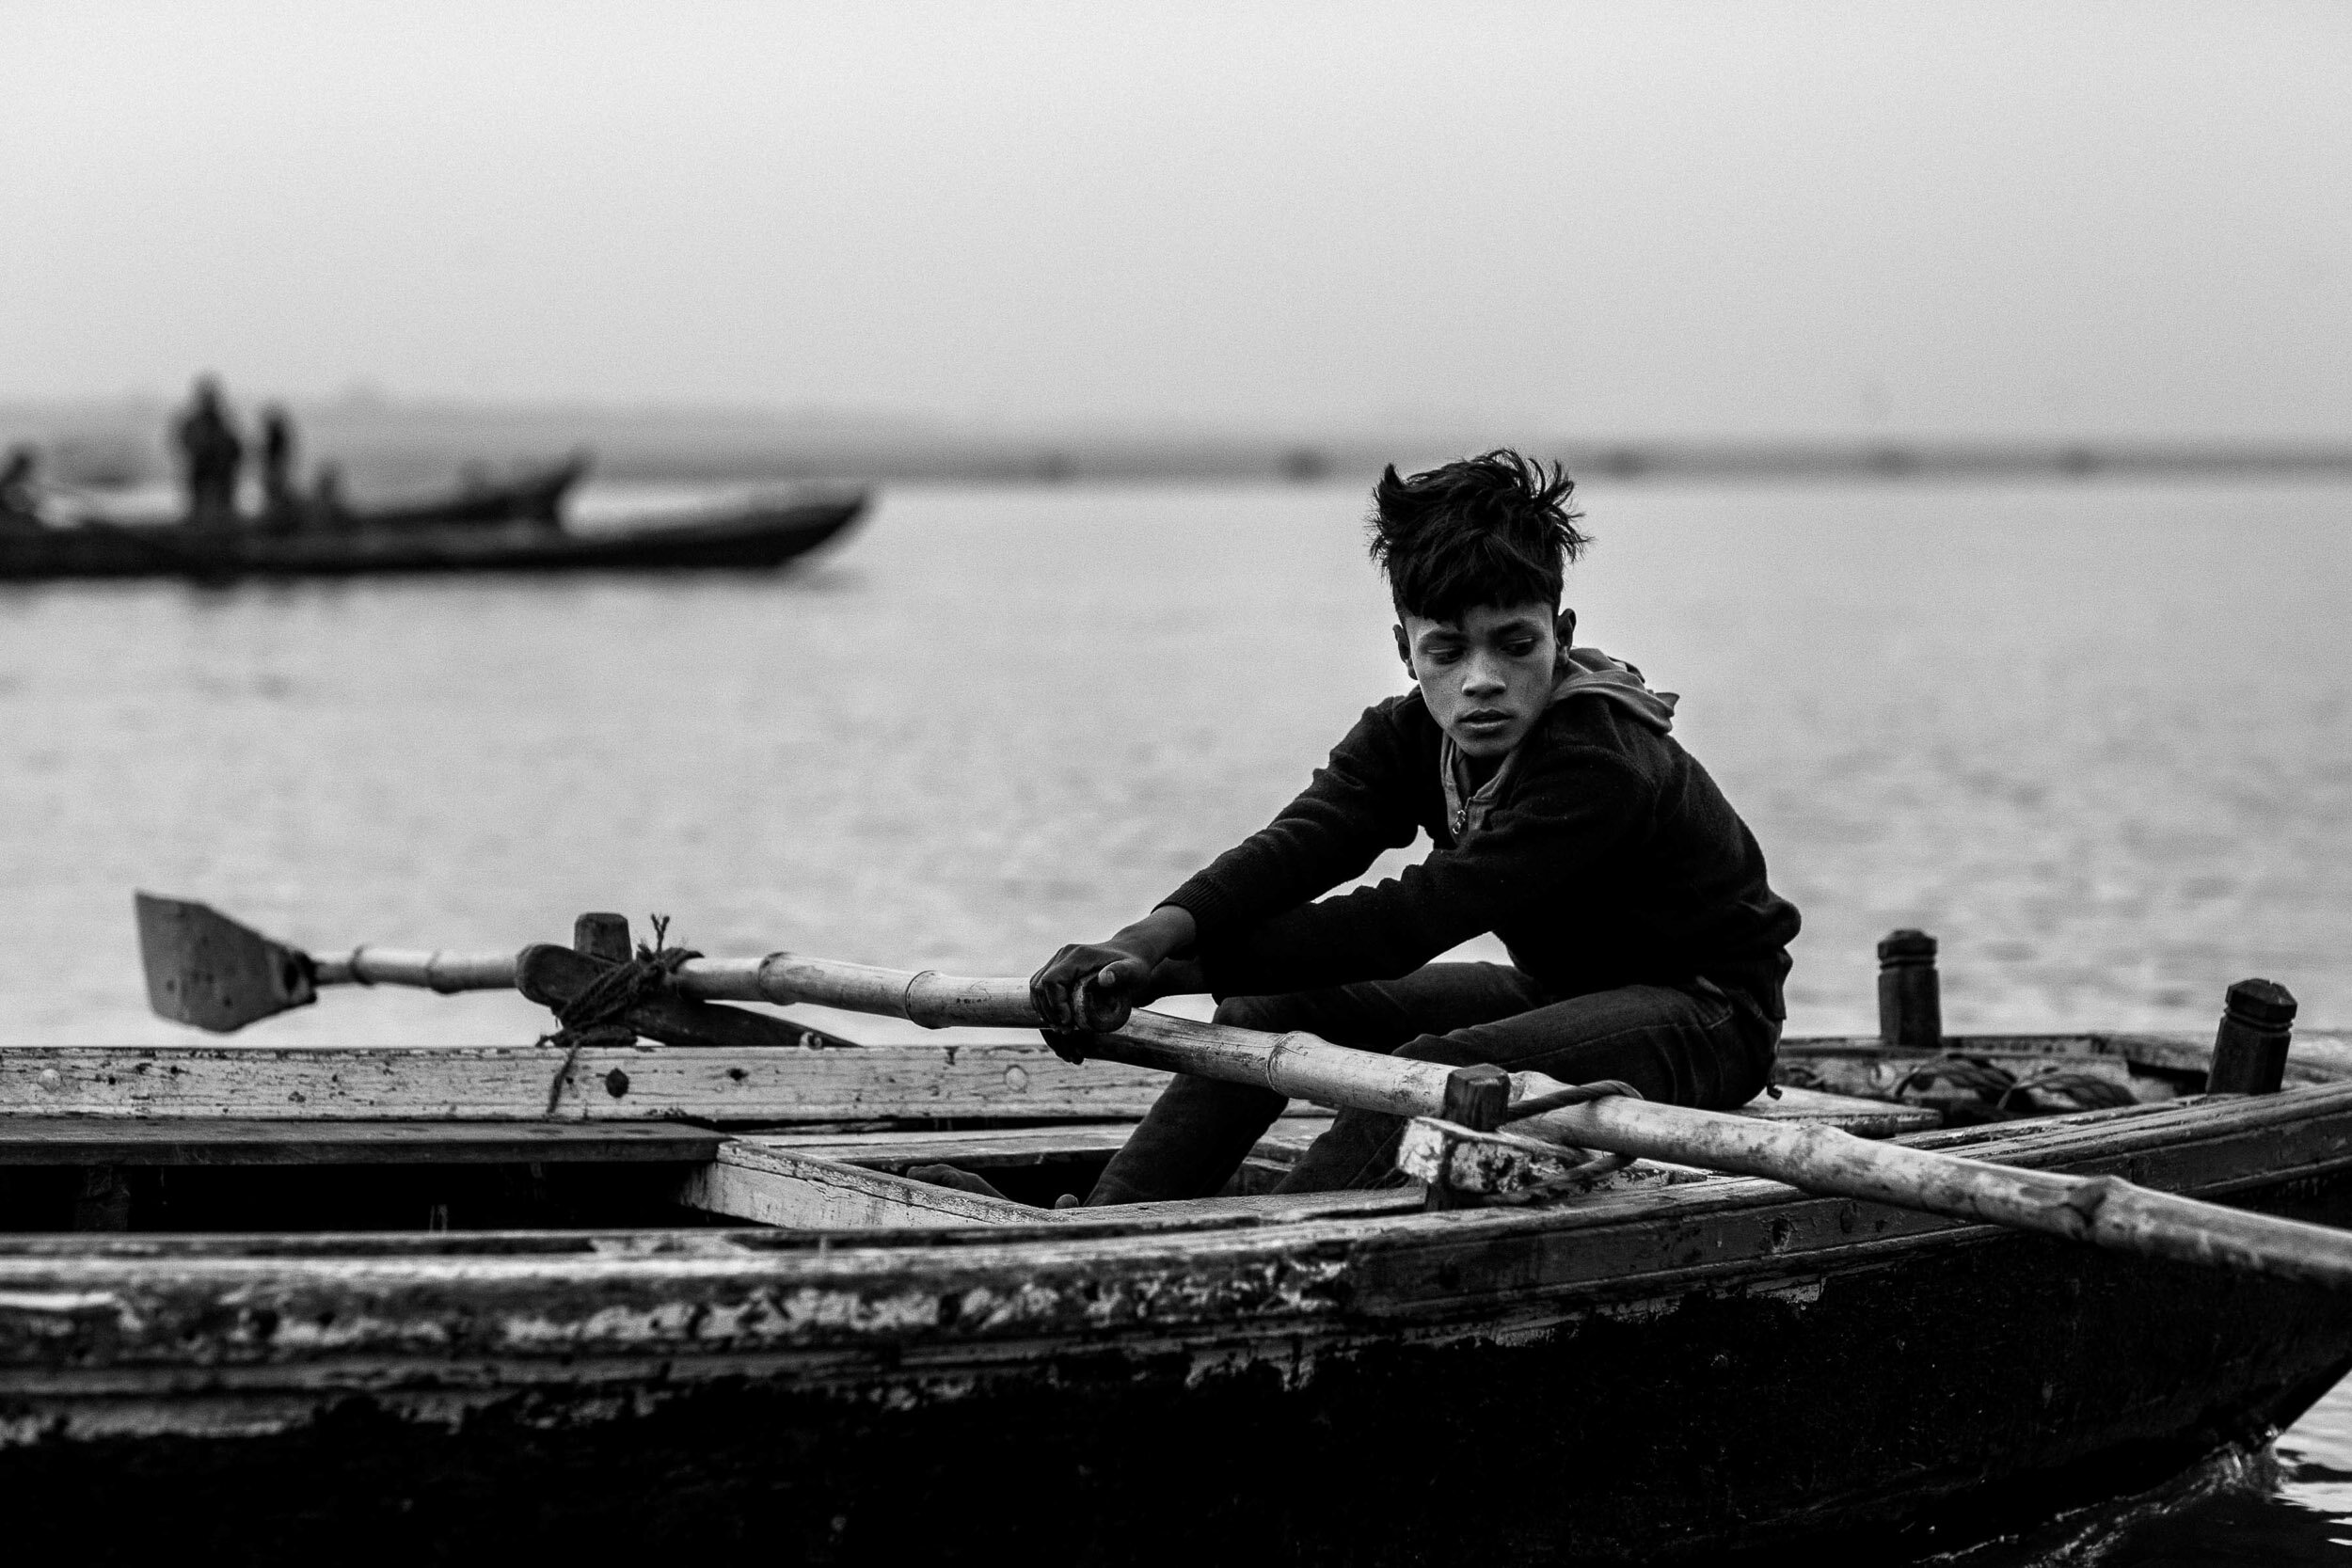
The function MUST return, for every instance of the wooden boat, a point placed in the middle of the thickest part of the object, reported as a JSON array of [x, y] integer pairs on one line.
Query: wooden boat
[[618, 1294], [754, 536]]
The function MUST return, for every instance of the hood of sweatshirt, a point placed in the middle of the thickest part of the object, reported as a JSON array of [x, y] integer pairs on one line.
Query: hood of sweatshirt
[[1590, 672]]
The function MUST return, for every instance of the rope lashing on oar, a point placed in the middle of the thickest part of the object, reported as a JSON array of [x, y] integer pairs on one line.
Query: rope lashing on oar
[[1594, 1164], [1575, 1094], [596, 1016]]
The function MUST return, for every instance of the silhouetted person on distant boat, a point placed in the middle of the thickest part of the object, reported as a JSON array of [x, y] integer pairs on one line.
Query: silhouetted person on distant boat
[[20, 502], [281, 507], [211, 452]]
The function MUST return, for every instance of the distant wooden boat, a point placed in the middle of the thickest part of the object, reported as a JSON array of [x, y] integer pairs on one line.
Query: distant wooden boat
[[467, 1300], [754, 536]]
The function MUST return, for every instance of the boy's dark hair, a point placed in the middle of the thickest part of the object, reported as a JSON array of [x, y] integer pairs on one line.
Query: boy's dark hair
[[1491, 529]]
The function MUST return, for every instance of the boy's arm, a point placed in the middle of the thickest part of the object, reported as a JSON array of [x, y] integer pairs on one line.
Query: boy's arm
[[1357, 804], [1530, 852]]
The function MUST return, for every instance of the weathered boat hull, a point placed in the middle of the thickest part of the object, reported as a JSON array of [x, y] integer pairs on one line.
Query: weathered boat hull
[[754, 538], [1649, 1374]]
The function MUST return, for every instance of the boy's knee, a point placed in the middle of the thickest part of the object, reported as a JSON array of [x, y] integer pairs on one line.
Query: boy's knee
[[1265, 1014], [1438, 1048]]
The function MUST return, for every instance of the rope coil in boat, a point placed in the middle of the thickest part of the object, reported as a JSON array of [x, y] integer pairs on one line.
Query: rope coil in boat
[[596, 1016], [2002, 1089]]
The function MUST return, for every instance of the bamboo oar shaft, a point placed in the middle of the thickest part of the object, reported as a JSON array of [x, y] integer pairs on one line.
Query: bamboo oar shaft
[[2102, 1211], [931, 999], [402, 966], [1296, 1065]]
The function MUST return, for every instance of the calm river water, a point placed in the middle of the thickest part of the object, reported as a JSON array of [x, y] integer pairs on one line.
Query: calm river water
[[2097, 737]]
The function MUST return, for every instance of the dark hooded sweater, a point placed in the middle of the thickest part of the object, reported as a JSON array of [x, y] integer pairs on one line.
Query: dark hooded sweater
[[1609, 859]]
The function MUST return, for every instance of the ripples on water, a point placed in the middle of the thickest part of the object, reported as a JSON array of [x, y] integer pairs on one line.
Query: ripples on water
[[2095, 737], [2297, 1510]]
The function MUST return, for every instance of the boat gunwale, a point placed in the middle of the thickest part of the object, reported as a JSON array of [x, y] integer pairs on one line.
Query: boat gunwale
[[2106, 1133]]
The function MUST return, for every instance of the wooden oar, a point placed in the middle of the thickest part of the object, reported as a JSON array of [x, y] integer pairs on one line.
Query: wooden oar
[[203, 968], [206, 969]]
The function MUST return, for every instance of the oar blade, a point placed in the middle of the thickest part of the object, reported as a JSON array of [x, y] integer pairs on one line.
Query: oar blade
[[205, 969]]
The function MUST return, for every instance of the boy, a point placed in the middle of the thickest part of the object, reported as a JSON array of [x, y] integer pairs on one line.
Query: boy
[[1644, 942]]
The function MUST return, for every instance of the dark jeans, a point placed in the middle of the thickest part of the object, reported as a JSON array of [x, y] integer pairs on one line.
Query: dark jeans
[[1688, 1045]]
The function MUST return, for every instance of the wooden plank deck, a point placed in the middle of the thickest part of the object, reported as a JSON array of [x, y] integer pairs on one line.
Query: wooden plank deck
[[983, 1149], [766, 1182], [980, 1149], [800, 1192], [1002, 1146], [1864, 1118]]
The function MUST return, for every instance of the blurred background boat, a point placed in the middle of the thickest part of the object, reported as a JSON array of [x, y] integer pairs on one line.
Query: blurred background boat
[[751, 536]]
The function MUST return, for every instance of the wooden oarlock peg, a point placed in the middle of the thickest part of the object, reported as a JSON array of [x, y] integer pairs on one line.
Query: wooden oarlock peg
[[599, 935], [1475, 1097], [1911, 1006], [2249, 1054]]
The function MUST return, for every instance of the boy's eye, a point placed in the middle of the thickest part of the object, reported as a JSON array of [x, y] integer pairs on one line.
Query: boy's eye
[[1520, 647]]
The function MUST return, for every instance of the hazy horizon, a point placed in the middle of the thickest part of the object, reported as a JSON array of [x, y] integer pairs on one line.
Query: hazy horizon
[[1989, 220]]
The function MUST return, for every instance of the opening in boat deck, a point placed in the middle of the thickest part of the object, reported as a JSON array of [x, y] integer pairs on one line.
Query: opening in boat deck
[[194, 1175]]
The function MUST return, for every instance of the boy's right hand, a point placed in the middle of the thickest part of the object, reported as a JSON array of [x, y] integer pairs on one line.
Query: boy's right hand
[[1092, 987]]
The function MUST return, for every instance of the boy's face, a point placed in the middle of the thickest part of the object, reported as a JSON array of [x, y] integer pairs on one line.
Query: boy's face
[[1486, 677]]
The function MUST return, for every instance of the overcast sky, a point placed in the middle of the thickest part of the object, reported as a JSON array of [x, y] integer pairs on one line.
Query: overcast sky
[[1739, 219]]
